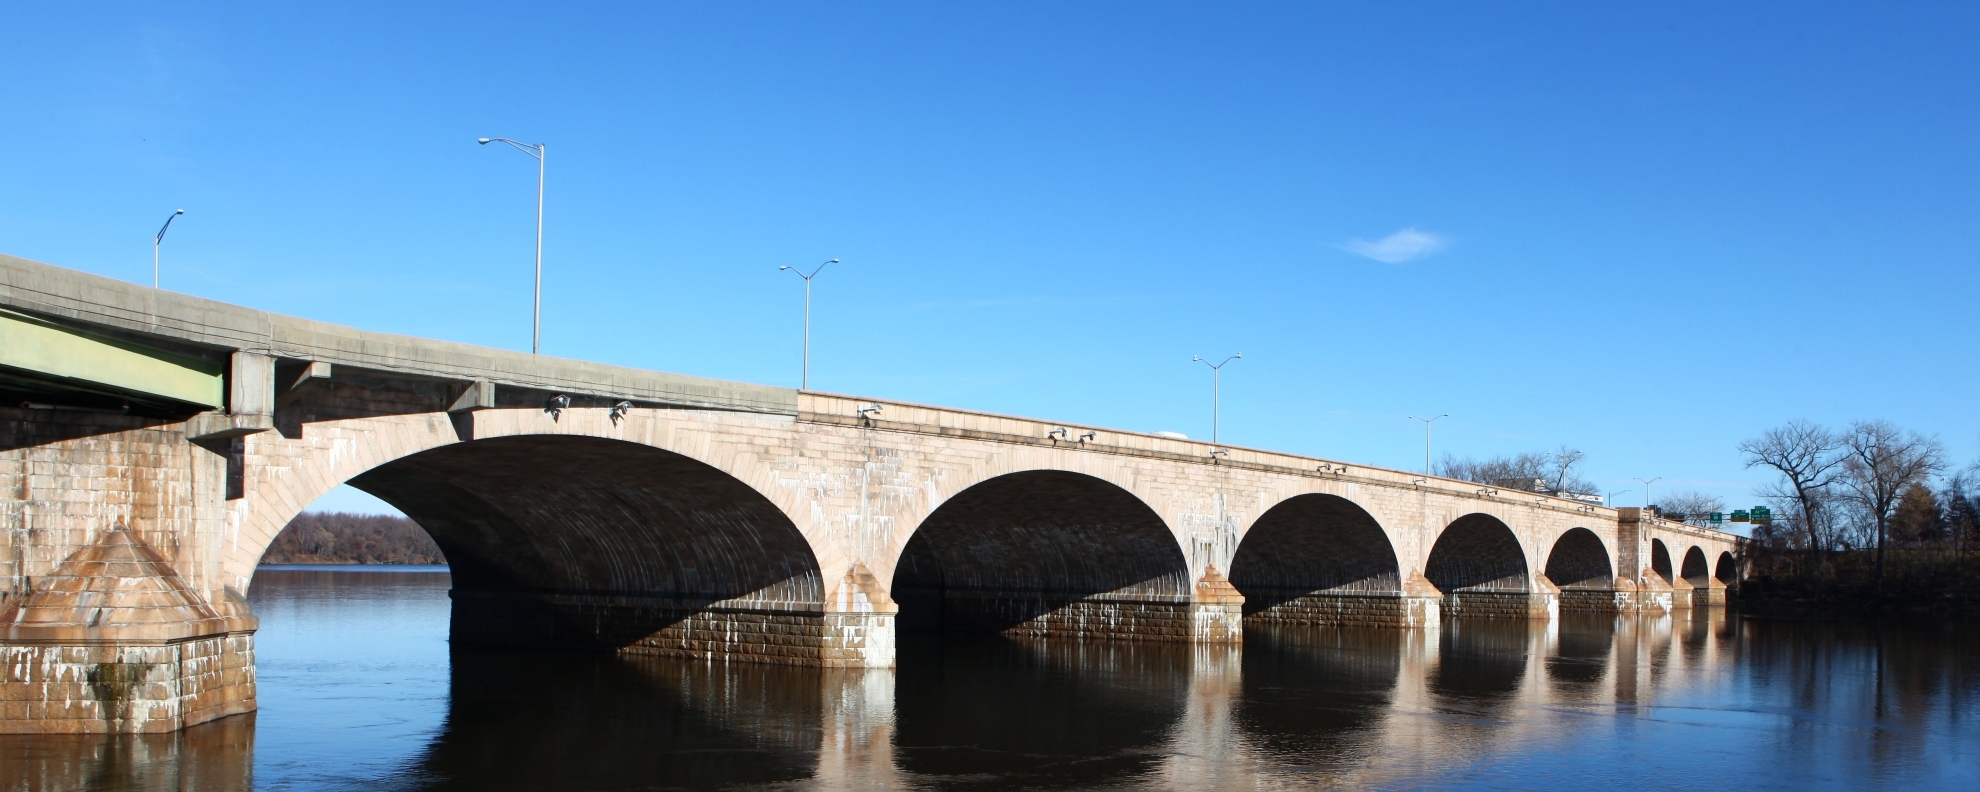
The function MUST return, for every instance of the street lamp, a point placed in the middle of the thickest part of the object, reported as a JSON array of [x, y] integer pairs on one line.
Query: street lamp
[[1216, 389], [805, 382], [1612, 497], [1426, 439], [1646, 489], [155, 241], [536, 150]]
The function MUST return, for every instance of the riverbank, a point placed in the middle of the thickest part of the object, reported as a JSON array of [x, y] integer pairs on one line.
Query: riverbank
[[1838, 582], [342, 538]]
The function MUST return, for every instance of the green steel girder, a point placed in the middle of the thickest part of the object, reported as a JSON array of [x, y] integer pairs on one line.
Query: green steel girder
[[92, 362]]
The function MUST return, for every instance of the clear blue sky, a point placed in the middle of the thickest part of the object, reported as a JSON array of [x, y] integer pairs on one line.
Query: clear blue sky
[[1646, 232]]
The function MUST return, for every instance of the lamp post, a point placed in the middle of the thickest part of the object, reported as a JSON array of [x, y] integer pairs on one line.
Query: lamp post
[[1646, 489], [804, 383], [1611, 501], [1426, 439], [156, 241], [1216, 390], [537, 150]]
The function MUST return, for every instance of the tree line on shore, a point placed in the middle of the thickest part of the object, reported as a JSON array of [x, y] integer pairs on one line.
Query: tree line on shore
[[341, 538], [1553, 473], [1870, 511]]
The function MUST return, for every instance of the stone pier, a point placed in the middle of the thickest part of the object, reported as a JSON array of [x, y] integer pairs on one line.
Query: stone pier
[[152, 445]]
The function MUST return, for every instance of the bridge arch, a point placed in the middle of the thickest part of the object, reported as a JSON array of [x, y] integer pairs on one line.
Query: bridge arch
[[1695, 571], [1480, 566], [1317, 557], [1660, 561], [336, 452], [1043, 552], [572, 530], [1579, 563], [559, 513], [1727, 569]]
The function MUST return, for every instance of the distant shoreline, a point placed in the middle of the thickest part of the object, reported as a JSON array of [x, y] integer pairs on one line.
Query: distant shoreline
[[336, 538]]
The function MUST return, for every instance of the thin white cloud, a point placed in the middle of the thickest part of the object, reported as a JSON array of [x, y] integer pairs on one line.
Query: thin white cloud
[[1408, 244]]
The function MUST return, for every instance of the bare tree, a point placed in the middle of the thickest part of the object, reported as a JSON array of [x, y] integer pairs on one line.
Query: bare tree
[[1880, 461], [1690, 507], [1807, 456], [1564, 461], [1551, 473]]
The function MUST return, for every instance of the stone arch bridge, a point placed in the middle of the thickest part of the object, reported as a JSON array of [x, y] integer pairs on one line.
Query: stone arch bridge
[[155, 444]]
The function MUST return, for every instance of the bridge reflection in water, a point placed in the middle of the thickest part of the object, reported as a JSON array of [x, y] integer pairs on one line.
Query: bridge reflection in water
[[1484, 702]]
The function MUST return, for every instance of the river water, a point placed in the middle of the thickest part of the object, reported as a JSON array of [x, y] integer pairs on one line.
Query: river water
[[359, 690]]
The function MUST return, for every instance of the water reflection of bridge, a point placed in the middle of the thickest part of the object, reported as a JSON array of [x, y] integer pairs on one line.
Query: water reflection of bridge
[[1292, 706]]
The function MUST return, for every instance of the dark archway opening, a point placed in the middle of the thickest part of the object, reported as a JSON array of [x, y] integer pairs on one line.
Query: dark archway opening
[[1727, 570], [587, 543], [1695, 571], [1478, 564], [1660, 561], [1579, 565], [1044, 552], [1318, 559]]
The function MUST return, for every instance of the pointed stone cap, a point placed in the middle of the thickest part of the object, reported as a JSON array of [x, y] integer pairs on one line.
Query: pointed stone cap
[[1544, 585], [118, 590], [1653, 581], [1419, 586], [1625, 584], [860, 592], [1215, 589]]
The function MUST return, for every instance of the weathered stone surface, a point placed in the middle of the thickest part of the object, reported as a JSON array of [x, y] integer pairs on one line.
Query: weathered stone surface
[[113, 641], [720, 520]]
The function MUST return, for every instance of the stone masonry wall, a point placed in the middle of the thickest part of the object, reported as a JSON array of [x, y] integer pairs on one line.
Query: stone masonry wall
[[126, 689], [1141, 620], [1497, 604], [1584, 600], [1375, 610]]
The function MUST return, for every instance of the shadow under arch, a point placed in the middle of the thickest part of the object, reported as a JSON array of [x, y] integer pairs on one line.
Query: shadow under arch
[[1727, 570], [1319, 559], [1044, 552], [1478, 563], [1660, 561], [1695, 570], [1579, 565], [559, 541]]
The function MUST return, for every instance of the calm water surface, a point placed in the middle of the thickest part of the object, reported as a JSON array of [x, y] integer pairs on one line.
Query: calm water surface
[[359, 690]]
